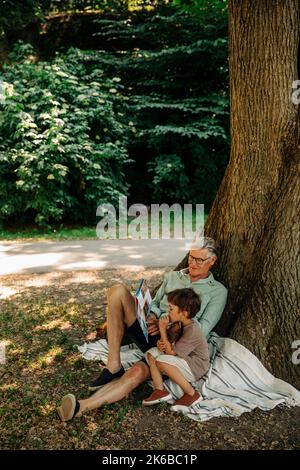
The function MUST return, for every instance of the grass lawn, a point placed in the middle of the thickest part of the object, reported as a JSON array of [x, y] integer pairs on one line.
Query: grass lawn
[[42, 317], [39, 234], [61, 232]]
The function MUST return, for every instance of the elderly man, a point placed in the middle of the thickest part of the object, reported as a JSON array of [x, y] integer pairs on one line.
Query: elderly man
[[114, 383]]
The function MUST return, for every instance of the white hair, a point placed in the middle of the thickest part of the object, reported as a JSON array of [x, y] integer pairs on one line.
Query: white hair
[[204, 242]]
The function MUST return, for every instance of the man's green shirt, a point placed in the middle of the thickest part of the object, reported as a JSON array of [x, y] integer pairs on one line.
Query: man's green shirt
[[213, 296]]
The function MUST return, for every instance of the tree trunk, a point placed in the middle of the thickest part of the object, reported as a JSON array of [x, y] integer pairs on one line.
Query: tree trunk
[[255, 217]]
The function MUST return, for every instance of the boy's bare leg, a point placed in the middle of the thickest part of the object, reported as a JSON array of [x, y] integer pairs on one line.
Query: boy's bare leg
[[117, 389], [174, 374], [121, 312], [155, 373]]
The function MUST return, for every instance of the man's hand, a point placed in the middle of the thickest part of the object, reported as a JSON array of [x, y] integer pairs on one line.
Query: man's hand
[[152, 323]]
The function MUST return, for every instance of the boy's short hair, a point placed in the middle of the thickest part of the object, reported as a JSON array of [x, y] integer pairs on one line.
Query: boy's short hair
[[185, 299]]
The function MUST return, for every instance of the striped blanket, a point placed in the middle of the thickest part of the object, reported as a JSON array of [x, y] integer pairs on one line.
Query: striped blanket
[[236, 382]]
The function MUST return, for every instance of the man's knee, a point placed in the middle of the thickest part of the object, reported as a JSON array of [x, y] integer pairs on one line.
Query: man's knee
[[117, 290], [138, 373]]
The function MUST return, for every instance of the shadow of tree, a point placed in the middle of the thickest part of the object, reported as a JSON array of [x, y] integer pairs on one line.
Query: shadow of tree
[[42, 317]]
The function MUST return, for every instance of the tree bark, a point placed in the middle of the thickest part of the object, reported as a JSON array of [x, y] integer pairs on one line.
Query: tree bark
[[255, 216]]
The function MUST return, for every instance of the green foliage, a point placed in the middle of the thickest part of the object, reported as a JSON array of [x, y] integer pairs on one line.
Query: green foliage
[[17, 14], [64, 140], [105, 5], [151, 99], [202, 9], [169, 177], [80, 5], [174, 68]]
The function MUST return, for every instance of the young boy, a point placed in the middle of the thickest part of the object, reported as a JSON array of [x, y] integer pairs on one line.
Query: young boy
[[187, 360]]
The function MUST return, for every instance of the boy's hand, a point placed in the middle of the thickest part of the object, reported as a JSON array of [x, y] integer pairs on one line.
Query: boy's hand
[[161, 345], [164, 321]]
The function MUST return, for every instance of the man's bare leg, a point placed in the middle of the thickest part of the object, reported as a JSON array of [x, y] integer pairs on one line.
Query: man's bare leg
[[121, 312], [117, 389]]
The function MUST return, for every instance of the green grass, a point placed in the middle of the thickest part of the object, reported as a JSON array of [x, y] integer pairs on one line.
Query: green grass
[[42, 365], [41, 324], [63, 233]]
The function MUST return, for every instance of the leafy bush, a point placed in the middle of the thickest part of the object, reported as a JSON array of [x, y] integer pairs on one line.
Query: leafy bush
[[64, 139]]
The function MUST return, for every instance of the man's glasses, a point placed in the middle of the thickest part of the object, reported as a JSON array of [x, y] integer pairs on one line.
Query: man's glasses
[[198, 261]]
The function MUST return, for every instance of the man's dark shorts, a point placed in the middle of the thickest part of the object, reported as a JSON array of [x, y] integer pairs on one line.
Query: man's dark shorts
[[135, 334]]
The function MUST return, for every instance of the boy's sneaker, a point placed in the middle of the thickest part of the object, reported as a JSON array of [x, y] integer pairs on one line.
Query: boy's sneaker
[[104, 378], [186, 401], [157, 396]]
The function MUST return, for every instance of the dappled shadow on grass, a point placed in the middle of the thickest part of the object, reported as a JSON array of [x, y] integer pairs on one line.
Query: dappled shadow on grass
[[41, 321]]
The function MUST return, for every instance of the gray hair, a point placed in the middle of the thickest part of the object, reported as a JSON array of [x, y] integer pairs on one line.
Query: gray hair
[[204, 242]]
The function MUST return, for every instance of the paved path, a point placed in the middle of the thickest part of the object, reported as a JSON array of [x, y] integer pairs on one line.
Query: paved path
[[72, 255]]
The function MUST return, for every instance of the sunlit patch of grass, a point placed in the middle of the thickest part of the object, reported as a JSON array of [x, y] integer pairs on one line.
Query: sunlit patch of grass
[[5, 342], [47, 408], [14, 351], [58, 323], [7, 387], [7, 292], [45, 360]]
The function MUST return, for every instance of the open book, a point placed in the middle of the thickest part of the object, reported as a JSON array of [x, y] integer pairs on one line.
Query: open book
[[143, 302]]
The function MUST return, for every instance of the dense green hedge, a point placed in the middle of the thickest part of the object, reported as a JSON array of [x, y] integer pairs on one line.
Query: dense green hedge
[[64, 142]]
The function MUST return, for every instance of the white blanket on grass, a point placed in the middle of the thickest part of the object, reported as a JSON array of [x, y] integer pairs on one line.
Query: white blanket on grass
[[236, 382]]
